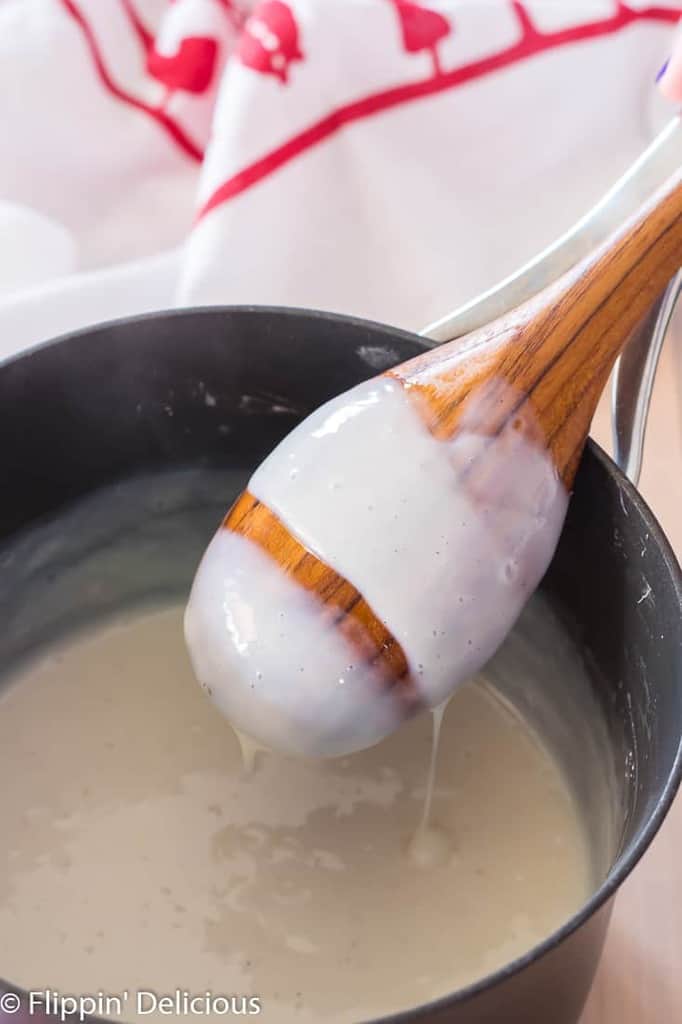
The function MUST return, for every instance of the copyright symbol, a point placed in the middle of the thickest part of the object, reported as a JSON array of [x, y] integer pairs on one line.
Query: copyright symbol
[[10, 1002]]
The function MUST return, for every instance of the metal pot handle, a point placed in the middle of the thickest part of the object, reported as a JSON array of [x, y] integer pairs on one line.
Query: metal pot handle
[[633, 382]]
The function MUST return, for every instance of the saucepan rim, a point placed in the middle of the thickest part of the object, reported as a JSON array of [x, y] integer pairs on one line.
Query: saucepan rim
[[626, 861]]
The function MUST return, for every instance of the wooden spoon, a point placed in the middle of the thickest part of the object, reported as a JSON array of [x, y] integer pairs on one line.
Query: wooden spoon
[[554, 353]]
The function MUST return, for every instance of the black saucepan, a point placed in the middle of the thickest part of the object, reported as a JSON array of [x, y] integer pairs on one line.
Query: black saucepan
[[212, 391]]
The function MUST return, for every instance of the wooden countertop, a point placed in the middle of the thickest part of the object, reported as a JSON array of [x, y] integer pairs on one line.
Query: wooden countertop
[[640, 977]]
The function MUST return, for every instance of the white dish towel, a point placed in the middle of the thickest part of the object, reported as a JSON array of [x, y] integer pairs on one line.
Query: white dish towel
[[388, 158]]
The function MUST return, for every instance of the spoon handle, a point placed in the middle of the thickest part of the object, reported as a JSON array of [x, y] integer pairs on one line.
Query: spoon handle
[[556, 350]]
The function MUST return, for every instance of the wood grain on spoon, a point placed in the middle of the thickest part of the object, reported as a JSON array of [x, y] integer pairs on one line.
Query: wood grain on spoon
[[543, 366], [345, 605]]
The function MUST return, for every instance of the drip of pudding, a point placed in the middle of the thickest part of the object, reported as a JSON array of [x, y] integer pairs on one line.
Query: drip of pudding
[[430, 845], [444, 540], [140, 855]]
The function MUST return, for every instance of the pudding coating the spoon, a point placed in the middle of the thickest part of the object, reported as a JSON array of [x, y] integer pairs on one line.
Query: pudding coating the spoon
[[434, 546]]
